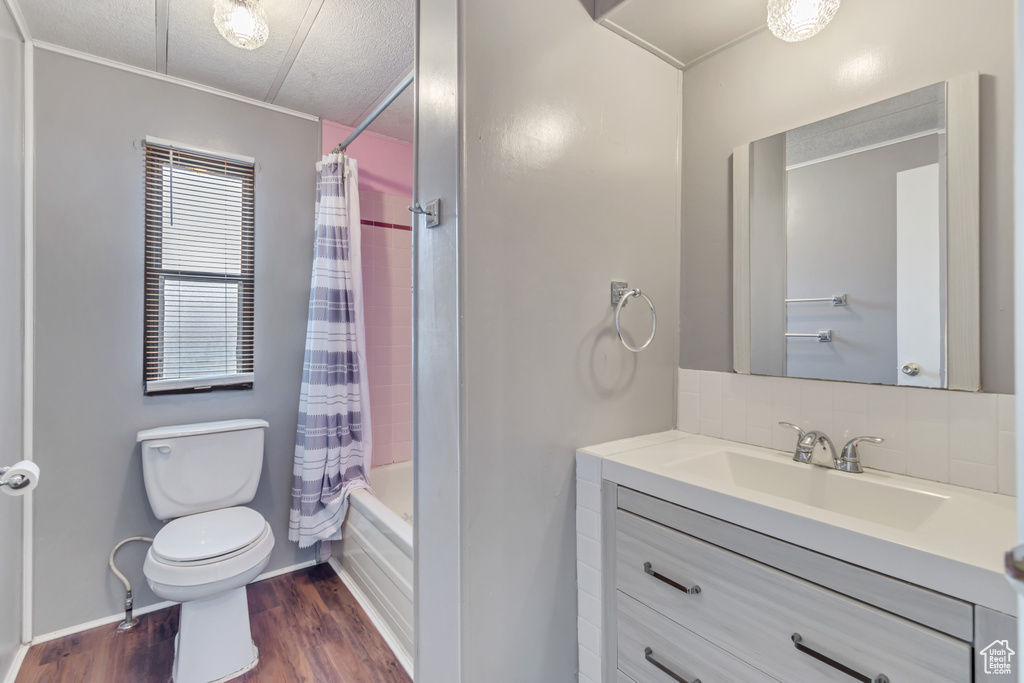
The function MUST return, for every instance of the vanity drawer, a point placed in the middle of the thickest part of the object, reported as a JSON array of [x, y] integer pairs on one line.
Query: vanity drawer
[[680, 650], [753, 611]]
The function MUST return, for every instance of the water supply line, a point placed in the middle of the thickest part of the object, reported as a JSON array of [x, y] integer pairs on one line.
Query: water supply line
[[129, 601]]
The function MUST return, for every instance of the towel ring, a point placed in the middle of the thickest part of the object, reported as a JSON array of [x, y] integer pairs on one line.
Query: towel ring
[[654, 319]]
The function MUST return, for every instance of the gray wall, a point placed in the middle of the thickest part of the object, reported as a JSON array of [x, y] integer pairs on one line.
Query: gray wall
[[89, 274], [12, 101], [872, 50], [568, 175]]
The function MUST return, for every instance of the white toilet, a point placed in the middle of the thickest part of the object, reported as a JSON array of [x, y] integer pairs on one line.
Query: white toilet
[[200, 476]]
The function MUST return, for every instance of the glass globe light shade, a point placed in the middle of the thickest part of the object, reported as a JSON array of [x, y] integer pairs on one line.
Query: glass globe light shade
[[796, 20], [243, 23]]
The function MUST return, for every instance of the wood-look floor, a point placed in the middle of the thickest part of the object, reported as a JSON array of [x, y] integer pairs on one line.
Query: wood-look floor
[[306, 624]]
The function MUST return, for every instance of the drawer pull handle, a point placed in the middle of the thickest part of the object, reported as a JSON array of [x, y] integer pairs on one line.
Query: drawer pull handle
[[798, 642], [649, 656], [678, 586]]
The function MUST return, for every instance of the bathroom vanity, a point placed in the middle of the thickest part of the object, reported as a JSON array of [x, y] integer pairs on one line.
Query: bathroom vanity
[[710, 560]]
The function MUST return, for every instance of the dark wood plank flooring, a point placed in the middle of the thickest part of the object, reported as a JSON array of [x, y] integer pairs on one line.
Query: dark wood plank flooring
[[307, 626]]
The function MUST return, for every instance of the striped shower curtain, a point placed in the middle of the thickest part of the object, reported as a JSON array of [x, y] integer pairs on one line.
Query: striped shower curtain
[[332, 442]]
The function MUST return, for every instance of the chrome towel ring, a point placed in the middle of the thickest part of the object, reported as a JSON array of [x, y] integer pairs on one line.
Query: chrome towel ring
[[620, 295]]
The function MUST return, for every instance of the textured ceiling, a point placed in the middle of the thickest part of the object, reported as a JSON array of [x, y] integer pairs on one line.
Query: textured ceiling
[[353, 48], [355, 51], [121, 30], [689, 29], [396, 121], [197, 52]]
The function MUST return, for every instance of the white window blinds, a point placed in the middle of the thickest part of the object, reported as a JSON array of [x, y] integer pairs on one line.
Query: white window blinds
[[199, 271]]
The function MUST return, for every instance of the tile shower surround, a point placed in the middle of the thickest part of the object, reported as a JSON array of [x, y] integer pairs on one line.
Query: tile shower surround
[[961, 438], [387, 286]]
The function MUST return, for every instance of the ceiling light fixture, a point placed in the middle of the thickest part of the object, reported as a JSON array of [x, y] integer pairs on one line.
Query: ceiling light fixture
[[796, 20], [243, 23]]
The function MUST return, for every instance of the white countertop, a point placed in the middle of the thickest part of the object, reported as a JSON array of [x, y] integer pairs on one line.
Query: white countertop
[[958, 550]]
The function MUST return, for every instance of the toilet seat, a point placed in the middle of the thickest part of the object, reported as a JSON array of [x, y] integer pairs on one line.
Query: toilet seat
[[231, 553], [209, 536]]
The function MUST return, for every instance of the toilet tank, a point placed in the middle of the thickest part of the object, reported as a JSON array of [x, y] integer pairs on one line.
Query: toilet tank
[[205, 466]]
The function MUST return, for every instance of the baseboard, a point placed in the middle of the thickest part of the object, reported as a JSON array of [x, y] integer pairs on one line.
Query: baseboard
[[284, 570], [116, 618], [371, 611], [19, 657], [96, 623]]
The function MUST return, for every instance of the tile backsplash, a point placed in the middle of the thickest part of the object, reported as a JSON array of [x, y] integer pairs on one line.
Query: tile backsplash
[[955, 437]]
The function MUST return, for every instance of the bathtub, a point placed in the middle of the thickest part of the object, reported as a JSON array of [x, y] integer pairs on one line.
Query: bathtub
[[375, 556]]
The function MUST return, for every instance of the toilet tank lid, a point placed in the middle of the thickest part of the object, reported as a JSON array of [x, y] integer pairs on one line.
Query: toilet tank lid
[[199, 428]]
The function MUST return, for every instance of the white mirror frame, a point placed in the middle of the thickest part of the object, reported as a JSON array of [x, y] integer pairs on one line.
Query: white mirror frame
[[963, 283]]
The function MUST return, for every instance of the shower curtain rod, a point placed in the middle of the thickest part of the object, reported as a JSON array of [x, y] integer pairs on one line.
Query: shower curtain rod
[[375, 113]]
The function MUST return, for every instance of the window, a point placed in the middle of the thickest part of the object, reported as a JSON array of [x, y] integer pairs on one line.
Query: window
[[199, 270]]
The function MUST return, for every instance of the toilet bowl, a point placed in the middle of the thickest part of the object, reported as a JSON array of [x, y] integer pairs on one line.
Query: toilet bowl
[[198, 477], [198, 556], [204, 561]]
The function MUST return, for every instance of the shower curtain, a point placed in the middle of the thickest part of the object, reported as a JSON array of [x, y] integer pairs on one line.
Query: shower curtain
[[332, 444]]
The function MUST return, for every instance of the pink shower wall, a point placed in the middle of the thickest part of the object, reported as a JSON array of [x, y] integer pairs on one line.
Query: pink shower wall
[[387, 287], [385, 188], [385, 164]]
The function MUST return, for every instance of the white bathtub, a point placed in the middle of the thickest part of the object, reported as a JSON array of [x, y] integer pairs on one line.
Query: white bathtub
[[376, 554]]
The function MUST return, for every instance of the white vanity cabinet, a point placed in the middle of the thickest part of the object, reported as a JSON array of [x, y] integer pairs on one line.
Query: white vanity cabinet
[[652, 647], [704, 559], [689, 597], [754, 612]]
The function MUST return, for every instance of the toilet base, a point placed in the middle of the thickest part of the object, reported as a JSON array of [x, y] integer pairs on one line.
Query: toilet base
[[214, 641]]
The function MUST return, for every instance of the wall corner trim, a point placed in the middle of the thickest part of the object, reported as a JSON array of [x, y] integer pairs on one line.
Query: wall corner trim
[[68, 52], [19, 19], [19, 658]]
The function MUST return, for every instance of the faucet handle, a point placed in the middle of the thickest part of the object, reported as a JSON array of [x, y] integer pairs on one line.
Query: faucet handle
[[851, 445], [803, 451], [850, 460], [793, 426]]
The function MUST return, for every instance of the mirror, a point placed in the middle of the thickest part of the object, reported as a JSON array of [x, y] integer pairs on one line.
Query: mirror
[[856, 244]]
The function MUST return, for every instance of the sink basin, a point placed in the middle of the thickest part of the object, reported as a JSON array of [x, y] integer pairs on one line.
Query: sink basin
[[860, 496]]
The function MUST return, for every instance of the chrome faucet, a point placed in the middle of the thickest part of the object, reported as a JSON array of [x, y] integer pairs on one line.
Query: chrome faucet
[[810, 441], [847, 461]]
